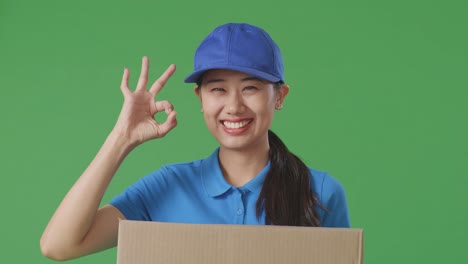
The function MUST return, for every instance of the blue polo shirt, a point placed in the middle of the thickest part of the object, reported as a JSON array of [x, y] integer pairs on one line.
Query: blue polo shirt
[[196, 192]]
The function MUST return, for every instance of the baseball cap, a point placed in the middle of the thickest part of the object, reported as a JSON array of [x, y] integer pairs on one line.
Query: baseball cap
[[240, 47]]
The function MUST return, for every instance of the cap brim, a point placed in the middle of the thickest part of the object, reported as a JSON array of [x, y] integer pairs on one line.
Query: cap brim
[[196, 75]]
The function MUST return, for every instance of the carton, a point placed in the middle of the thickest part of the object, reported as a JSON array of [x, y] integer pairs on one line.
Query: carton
[[170, 243]]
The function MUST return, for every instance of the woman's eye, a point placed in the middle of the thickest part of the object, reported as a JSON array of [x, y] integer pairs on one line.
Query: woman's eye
[[250, 88], [217, 89]]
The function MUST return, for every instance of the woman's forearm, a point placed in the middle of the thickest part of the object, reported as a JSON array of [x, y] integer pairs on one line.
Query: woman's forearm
[[76, 214]]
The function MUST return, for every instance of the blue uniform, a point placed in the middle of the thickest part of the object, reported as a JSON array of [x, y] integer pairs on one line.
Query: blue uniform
[[196, 192]]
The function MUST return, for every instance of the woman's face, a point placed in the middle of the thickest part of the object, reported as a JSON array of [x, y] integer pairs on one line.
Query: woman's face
[[239, 108]]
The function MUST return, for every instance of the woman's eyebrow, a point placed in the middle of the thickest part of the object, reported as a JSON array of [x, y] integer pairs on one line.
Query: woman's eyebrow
[[214, 81], [217, 80], [251, 79]]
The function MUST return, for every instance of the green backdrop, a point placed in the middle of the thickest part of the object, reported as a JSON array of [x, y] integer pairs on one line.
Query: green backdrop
[[378, 99]]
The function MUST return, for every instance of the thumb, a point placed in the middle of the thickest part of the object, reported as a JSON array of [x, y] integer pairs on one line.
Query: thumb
[[169, 124]]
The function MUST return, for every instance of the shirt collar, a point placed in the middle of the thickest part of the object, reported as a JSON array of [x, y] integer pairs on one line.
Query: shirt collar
[[255, 185], [213, 179]]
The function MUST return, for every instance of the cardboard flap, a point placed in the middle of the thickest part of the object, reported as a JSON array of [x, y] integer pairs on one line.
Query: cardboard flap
[[170, 243]]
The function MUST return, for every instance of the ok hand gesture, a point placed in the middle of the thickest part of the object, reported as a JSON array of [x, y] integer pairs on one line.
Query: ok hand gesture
[[136, 121]]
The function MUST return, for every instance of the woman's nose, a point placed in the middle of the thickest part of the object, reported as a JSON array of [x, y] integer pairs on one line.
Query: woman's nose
[[235, 104]]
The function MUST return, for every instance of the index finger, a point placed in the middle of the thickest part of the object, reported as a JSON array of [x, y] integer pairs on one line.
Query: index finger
[[161, 81]]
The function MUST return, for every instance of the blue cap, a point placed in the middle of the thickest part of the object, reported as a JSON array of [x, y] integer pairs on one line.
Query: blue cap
[[240, 47]]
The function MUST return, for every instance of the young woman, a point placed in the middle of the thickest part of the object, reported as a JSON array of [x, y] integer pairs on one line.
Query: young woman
[[251, 178]]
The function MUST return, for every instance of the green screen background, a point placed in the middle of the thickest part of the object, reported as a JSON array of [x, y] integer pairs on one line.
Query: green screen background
[[378, 99]]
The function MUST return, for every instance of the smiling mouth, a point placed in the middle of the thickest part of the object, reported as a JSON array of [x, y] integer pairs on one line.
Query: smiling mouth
[[235, 125]]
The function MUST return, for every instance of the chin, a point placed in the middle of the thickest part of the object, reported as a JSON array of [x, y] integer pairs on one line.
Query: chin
[[239, 144], [234, 145], [243, 142]]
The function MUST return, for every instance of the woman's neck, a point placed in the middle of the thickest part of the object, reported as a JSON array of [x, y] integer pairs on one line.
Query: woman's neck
[[241, 166]]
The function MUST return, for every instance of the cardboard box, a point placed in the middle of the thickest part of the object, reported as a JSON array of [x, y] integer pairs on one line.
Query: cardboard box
[[170, 243]]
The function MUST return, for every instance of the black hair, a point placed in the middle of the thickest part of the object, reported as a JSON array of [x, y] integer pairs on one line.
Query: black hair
[[286, 195]]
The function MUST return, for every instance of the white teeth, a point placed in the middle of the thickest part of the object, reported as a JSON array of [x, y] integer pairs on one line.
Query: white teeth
[[235, 124]]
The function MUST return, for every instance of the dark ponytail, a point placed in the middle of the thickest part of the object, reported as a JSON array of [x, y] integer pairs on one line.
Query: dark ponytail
[[286, 194]]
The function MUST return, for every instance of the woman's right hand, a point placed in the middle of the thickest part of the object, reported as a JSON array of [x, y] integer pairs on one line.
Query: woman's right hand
[[136, 122], [78, 226]]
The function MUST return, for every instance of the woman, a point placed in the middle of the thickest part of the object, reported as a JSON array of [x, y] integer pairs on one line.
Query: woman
[[250, 179]]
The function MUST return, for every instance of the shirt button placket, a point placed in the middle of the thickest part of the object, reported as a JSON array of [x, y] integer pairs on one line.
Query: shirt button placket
[[240, 209]]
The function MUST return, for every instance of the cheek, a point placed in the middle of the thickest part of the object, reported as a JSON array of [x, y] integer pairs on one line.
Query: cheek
[[211, 109], [264, 106]]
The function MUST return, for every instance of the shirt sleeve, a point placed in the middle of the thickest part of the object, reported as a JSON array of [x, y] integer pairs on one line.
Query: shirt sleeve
[[334, 200], [138, 200]]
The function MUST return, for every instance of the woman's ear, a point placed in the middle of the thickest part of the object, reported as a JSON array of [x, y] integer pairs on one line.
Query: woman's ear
[[282, 92], [196, 90]]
